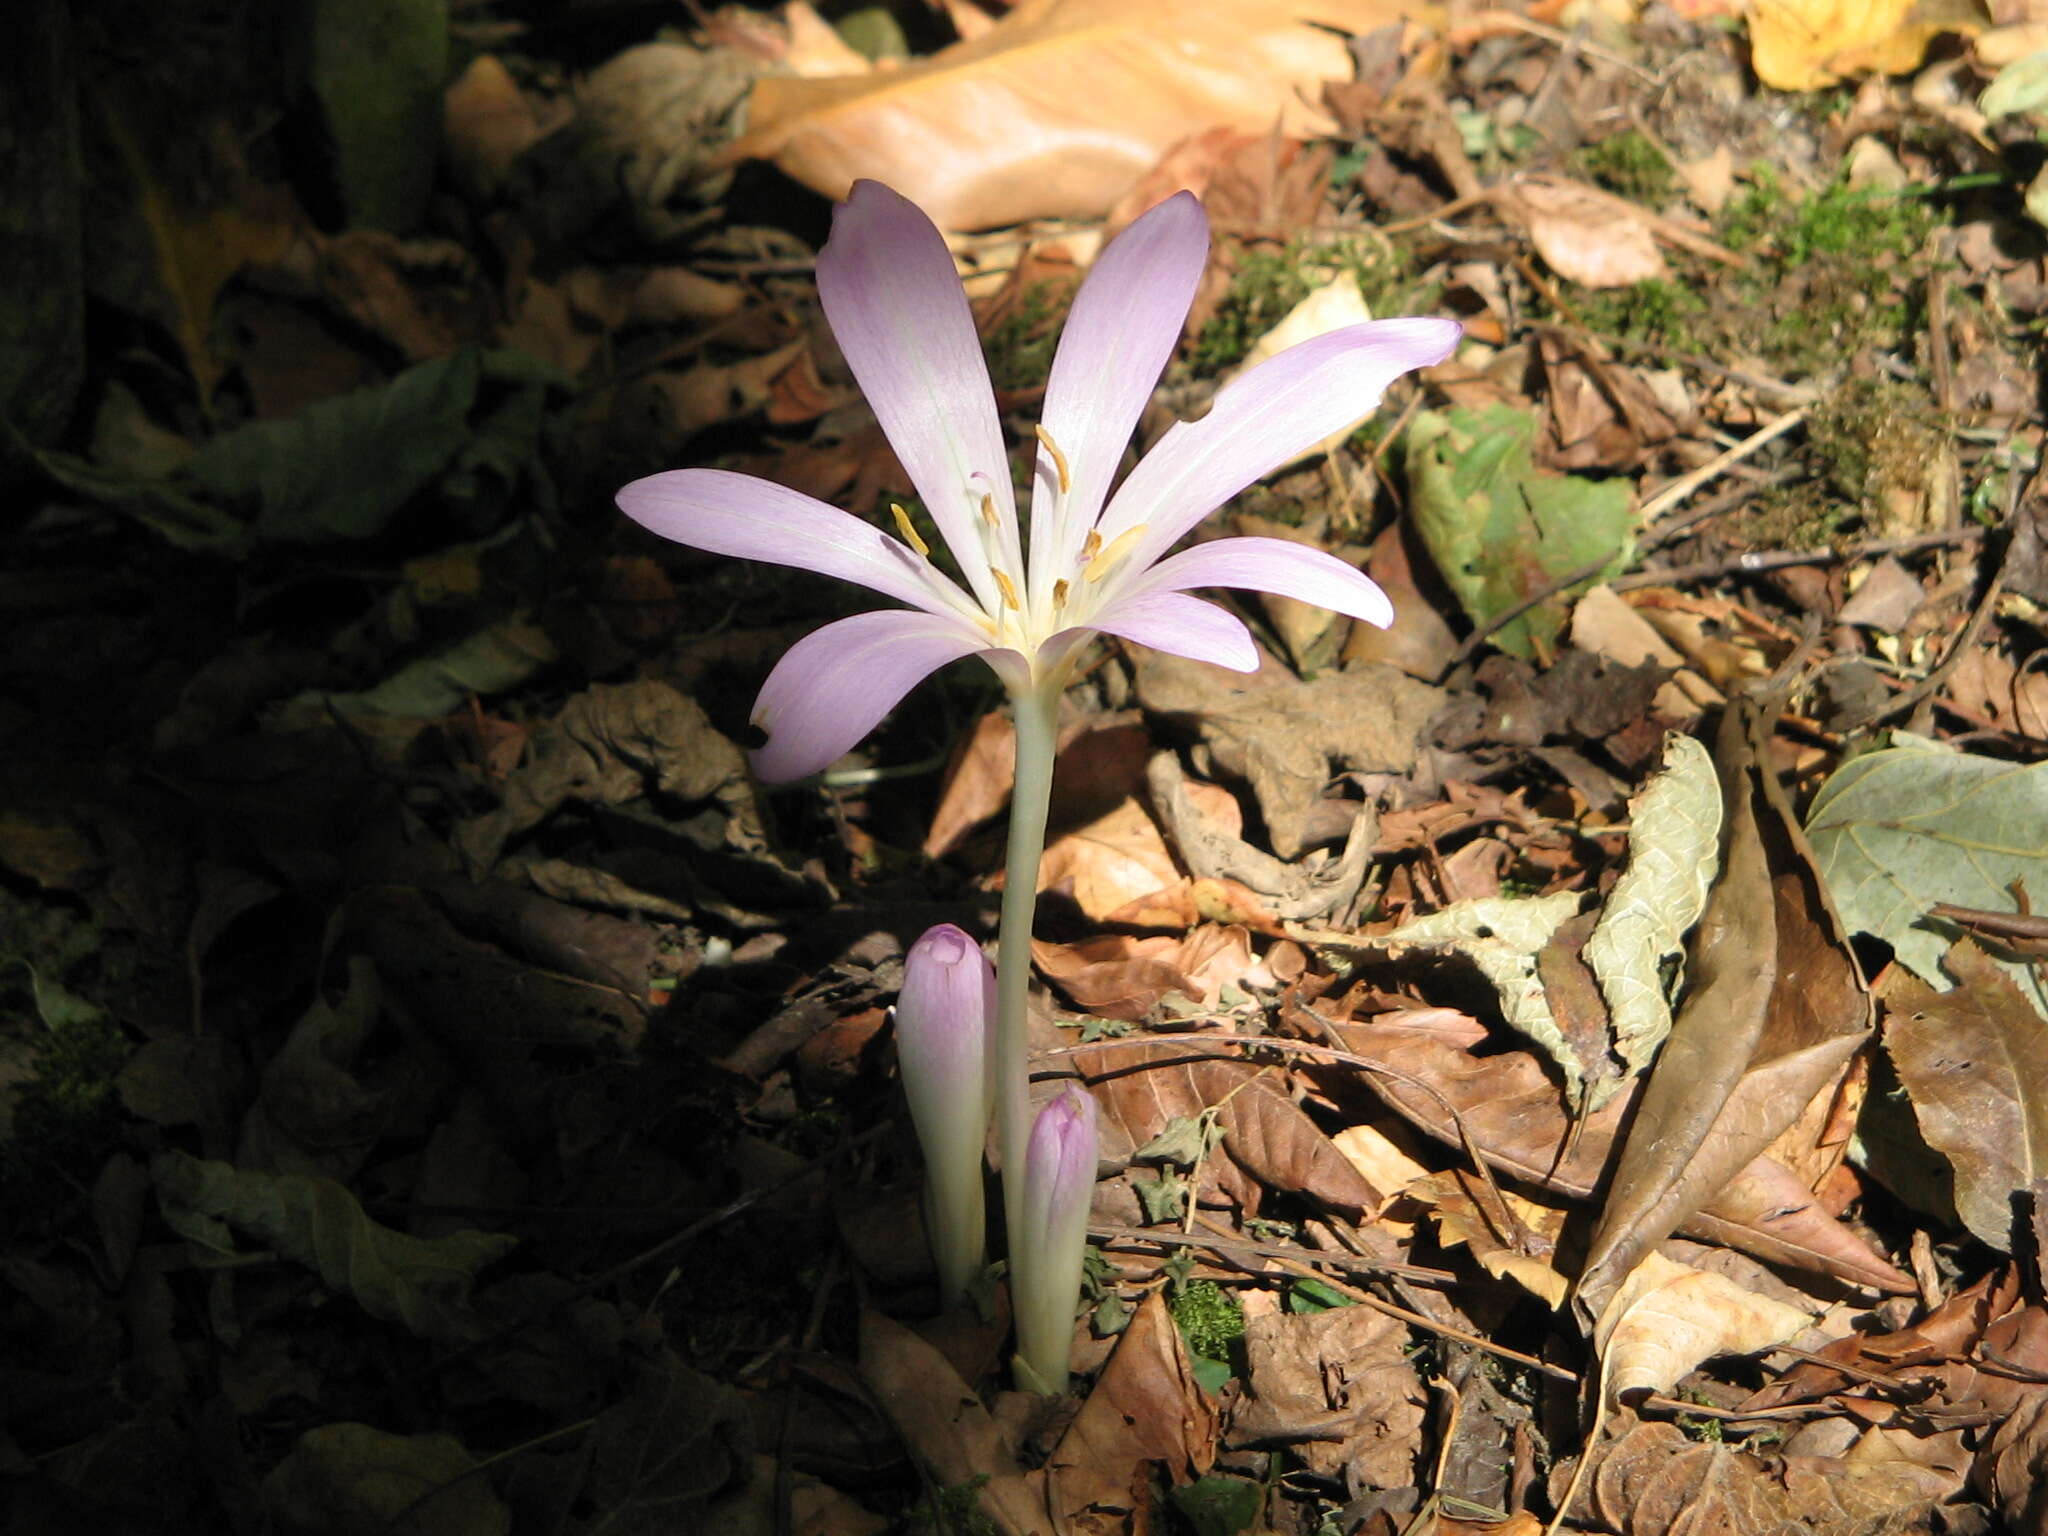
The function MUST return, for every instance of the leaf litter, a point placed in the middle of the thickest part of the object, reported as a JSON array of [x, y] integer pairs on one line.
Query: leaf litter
[[446, 1091]]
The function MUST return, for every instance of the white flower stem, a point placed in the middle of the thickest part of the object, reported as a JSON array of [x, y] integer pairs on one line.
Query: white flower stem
[[1037, 718]]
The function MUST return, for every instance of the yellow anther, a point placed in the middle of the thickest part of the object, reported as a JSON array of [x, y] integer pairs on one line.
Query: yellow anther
[[1059, 593], [988, 510], [1098, 566], [1009, 592], [909, 531], [1059, 460], [1091, 546]]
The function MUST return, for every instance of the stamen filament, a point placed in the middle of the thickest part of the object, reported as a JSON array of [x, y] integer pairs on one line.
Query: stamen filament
[[1059, 460], [1098, 566], [909, 531]]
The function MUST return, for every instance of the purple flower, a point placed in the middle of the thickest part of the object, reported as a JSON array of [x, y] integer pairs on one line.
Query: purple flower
[[944, 1019], [1045, 1268], [1095, 561]]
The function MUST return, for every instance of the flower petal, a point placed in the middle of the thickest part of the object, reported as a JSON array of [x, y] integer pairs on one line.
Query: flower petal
[[1279, 566], [1258, 422], [901, 317], [833, 686], [1119, 334], [1182, 625], [728, 514]]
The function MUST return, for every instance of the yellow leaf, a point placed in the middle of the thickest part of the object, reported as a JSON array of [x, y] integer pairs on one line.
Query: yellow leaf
[[1802, 45]]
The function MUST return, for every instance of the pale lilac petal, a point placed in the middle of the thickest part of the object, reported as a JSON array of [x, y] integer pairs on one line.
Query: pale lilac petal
[[901, 317], [1045, 1274], [1279, 566], [727, 514], [833, 686], [1181, 625], [1119, 334], [1059, 1166], [943, 1018], [1279, 410]]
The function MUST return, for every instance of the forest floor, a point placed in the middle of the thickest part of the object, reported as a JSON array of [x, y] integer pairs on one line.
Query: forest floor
[[443, 1089]]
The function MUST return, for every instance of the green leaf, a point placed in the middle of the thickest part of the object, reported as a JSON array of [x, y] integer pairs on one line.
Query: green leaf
[[1214, 1375], [1308, 1296], [1898, 830], [1673, 856], [487, 662], [422, 1283], [2022, 86], [1500, 529]]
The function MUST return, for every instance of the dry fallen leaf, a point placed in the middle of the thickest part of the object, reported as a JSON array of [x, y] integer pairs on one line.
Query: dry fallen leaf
[[1590, 237], [1347, 1372], [1666, 1318], [1802, 45], [1062, 104]]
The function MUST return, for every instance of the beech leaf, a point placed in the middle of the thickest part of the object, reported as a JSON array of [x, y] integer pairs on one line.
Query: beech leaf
[[1666, 1318], [1775, 1010], [1673, 856], [1975, 1061], [1898, 830]]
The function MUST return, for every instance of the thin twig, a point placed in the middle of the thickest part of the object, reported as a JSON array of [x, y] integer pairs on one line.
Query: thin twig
[[1757, 561], [1678, 490]]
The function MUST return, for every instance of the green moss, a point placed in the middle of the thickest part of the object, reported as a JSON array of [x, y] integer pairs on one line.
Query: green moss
[[1628, 164], [1209, 1318], [1658, 313], [1020, 345], [1268, 283], [67, 1119]]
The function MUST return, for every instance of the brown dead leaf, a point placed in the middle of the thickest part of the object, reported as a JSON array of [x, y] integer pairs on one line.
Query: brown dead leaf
[[352, 1479], [1419, 641], [1774, 1009], [1512, 1236], [1141, 1085], [1803, 45], [1514, 1112], [1283, 735], [1586, 236], [1110, 864], [1146, 1408], [1346, 1372], [2011, 698], [1055, 110], [1974, 1062], [1121, 977], [1667, 1318], [1654, 1481], [945, 1426]]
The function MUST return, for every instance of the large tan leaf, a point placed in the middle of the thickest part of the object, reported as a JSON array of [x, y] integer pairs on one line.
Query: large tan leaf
[[1515, 1114], [1975, 1061], [1775, 1010], [1062, 104], [1666, 1318]]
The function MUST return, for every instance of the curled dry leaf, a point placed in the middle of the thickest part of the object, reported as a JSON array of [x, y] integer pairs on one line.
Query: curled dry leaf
[[1512, 1237], [1976, 1065], [1061, 105], [1110, 864], [1775, 1010], [1666, 1318], [1146, 1407], [1121, 977], [1347, 1372]]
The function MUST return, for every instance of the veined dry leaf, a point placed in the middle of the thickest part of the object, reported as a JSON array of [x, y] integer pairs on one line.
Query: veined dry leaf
[[1586, 236], [1141, 1085], [1515, 1243], [1119, 976], [1673, 855], [1502, 936], [399, 1278], [1775, 1010], [1654, 1481], [1347, 1372], [1062, 104], [1666, 1318], [1802, 45], [1975, 1061], [344, 1479], [1513, 1111], [1917, 823], [1146, 1407], [1110, 863]]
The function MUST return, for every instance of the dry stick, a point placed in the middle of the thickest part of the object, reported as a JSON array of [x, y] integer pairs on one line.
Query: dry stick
[[1800, 394], [1507, 616], [1757, 561], [1674, 528], [1161, 1237], [1678, 490]]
